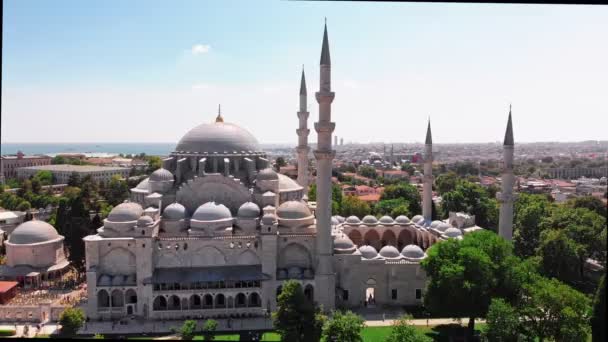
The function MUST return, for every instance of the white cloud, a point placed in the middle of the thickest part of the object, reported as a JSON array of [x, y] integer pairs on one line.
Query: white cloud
[[350, 84], [200, 49]]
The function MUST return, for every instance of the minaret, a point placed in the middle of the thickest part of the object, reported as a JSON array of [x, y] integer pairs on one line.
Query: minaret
[[302, 149], [506, 196], [427, 194], [325, 276]]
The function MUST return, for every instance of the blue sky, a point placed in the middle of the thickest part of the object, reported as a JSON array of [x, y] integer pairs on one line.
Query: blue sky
[[144, 71]]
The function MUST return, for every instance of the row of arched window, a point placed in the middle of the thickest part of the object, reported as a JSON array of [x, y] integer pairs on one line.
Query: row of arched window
[[207, 285], [117, 298], [406, 237], [207, 301]]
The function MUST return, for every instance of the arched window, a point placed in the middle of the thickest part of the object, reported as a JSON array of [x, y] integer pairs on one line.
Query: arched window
[[131, 296], [103, 299], [254, 300], [117, 299], [309, 292], [241, 300], [160, 304], [220, 301], [207, 301], [279, 290], [174, 303]]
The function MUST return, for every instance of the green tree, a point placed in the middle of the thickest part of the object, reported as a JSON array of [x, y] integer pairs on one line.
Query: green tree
[[343, 327], [154, 163], [402, 209], [472, 198], [446, 182], [559, 256], [588, 202], [209, 329], [352, 205], [187, 330], [45, 177], [296, 318], [529, 211], [74, 180], [368, 171], [502, 322], [598, 319], [385, 207], [71, 320], [552, 310], [117, 190], [279, 163], [404, 331], [466, 274], [98, 337], [404, 191]]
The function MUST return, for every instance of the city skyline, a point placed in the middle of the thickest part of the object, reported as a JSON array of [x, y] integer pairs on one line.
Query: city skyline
[[394, 66]]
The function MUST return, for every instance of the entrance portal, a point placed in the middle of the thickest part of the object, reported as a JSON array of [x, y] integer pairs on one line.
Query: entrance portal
[[370, 293]]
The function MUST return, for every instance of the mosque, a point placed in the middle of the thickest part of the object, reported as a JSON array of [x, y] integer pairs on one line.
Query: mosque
[[216, 231]]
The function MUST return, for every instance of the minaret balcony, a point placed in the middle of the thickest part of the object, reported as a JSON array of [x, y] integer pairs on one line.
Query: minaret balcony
[[325, 96], [324, 154], [325, 127], [303, 131], [303, 115]]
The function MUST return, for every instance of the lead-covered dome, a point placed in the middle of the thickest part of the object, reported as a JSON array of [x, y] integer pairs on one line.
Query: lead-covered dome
[[402, 219], [353, 220], [343, 244], [161, 175], [370, 219], [248, 210], [33, 232], [220, 137], [368, 252], [386, 220], [413, 252], [453, 232], [125, 212], [174, 211], [267, 174], [293, 210], [211, 211], [389, 252]]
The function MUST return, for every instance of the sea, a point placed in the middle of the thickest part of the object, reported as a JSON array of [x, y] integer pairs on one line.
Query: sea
[[89, 149]]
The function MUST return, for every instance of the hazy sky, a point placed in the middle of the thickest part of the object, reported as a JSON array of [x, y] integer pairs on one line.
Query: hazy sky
[[148, 71]]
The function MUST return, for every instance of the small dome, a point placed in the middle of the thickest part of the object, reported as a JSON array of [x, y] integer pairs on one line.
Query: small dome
[[126, 212], [143, 185], [293, 210], [343, 242], [249, 210], [389, 252], [267, 174], [174, 211], [334, 221], [211, 212], [402, 219], [368, 252], [288, 184], [386, 220], [339, 218], [33, 232], [144, 221], [435, 223], [417, 218], [161, 175], [104, 280], [353, 220], [268, 219], [453, 232], [294, 272], [443, 227], [413, 252], [370, 219]]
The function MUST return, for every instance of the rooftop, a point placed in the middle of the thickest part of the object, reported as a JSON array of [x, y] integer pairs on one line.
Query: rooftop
[[75, 168]]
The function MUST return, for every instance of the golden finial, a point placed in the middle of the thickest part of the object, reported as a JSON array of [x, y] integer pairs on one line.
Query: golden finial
[[219, 114]]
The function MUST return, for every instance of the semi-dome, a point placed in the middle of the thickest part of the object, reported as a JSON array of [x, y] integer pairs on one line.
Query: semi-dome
[[143, 185], [174, 211], [370, 219], [267, 174], [126, 212], [368, 252], [118, 280], [453, 232], [386, 220], [413, 252], [288, 184], [268, 219], [211, 211], [334, 221], [402, 219], [249, 210], [353, 220], [33, 232], [389, 252], [161, 175], [339, 218], [218, 137], [293, 210]]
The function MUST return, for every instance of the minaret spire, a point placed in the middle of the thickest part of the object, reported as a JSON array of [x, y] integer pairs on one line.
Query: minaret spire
[[427, 187], [219, 117], [506, 197], [302, 149], [324, 154]]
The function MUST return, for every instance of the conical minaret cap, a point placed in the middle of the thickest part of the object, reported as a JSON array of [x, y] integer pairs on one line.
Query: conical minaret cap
[[303, 84], [509, 132], [428, 140], [325, 60]]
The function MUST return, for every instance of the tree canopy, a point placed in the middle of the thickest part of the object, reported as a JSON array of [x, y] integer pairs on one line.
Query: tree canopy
[[343, 327], [71, 320], [404, 331], [296, 318]]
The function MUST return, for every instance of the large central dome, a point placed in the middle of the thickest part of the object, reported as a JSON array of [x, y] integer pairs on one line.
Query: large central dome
[[217, 137]]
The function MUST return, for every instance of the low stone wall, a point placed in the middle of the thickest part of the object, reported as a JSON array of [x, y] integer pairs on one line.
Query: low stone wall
[[29, 314]]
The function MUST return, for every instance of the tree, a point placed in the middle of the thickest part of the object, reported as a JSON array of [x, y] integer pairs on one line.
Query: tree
[[404, 191], [45, 177], [385, 207], [154, 163], [352, 205], [209, 329], [74, 180], [279, 163], [466, 274], [368, 171], [187, 330], [502, 322], [343, 327], [472, 198], [117, 190], [446, 182], [404, 331], [529, 212], [71, 320], [296, 318], [552, 310], [598, 319], [559, 256], [402, 209], [98, 337], [588, 202]]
